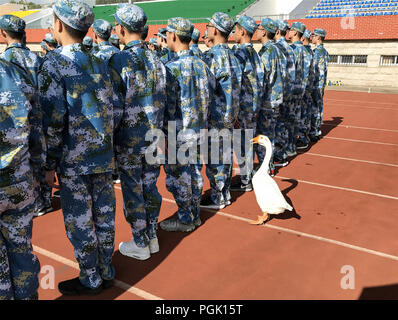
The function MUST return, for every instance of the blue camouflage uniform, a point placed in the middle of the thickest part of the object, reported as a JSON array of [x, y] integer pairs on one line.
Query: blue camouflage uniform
[[303, 65], [224, 112], [144, 82], [270, 121], [288, 59], [22, 157], [79, 97], [195, 47], [165, 54], [305, 124], [190, 86], [250, 98], [321, 62], [114, 40], [88, 43], [105, 50]]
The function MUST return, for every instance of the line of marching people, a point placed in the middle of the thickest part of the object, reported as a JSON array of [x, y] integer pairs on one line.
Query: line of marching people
[[81, 115]]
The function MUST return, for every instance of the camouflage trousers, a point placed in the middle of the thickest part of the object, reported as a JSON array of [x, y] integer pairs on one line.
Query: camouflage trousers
[[88, 205], [19, 267], [43, 192], [185, 183], [244, 149], [141, 198], [272, 124], [317, 113], [292, 117], [305, 118], [219, 168]]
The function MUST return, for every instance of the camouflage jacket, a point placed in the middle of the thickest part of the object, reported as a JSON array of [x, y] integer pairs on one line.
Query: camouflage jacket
[[288, 64], [321, 62], [23, 57], [190, 90], [252, 83], [273, 93], [303, 65], [196, 51], [144, 83], [104, 50], [166, 55], [78, 93], [225, 67], [309, 55], [21, 139]]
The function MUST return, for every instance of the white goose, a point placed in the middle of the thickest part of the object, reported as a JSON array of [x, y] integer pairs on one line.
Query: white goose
[[268, 195]]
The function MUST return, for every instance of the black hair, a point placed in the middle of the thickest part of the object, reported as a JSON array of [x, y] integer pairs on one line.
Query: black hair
[[283, 33], [15, 35], [248, 33], [184, 39], [300, 34], [270, 35], [74, 33]]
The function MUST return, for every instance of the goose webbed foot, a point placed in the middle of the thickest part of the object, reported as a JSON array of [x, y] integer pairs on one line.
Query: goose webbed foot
[[261, 219]]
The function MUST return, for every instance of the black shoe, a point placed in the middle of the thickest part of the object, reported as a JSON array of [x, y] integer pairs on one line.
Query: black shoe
[[74, 287], [301, 145], [208, 203], [280, 163], [106, 284], [34, 296], [57, 194], [240, 187], [314, 138], [173, 224], [197, 222]]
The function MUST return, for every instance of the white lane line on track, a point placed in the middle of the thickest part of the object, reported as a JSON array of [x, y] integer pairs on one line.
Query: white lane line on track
[[307, 235], [303, 234], [349, 159], [75, 265], [362, 141], [354, 127], [340, 188], [362, 101], [331, 104]]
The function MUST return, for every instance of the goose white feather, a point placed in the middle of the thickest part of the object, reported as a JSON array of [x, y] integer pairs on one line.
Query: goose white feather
[[268, 195]]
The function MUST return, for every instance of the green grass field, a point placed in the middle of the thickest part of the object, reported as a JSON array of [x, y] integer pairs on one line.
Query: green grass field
[[193, 9]]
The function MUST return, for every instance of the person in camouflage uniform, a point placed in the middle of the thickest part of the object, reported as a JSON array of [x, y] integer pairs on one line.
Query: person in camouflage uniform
[[209, 43], [224, 112], [190, 86], [102, 32], [153, 45], [114, 40], [88, 43], [22, 157], [193, 45], [303, 65], [304, 130], [48, 44], [144, 82], [144, 33], [271, 119], [165, 53], [250, 98], [321, 62], [78, 93], [288, 64], [13, 30]]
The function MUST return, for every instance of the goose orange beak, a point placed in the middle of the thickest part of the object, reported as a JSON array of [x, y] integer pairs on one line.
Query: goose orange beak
[[255, 140]]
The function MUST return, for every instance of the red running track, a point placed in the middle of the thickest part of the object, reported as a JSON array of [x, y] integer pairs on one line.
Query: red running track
[[345, 197]]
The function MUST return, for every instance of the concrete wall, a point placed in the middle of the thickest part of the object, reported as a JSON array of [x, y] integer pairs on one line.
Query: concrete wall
[[371, 75]]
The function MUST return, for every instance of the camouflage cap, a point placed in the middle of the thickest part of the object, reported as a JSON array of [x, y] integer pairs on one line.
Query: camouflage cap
[[269, 25], [12, 23], [282, 25], [76, 14], [222, 22], [320, 32], [44, 45], [195, 34], [114, 39], [161, 33], [248, 23], [131, 17], [102, 28], [50, 39], [307, 33], [153, 41], [180, 26], [87, 41], [298, 26]]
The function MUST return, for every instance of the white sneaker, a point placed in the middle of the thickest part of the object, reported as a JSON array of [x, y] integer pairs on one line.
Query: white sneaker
[[154, 245], [130, 249]]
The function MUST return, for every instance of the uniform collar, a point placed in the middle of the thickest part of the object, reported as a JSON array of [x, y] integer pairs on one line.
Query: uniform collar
[[249, 44], [297, 42], [221, 45], [133, 44], [103, 44], [194, 45], [184, 53], [16, 45]]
